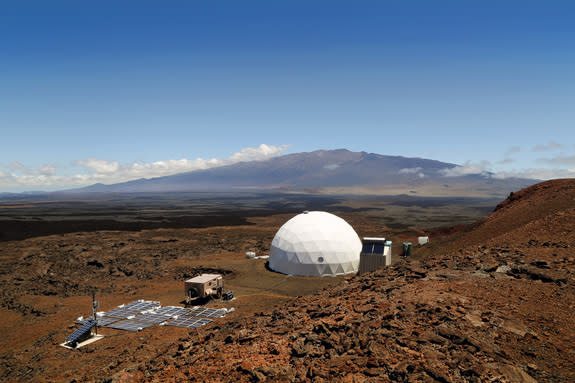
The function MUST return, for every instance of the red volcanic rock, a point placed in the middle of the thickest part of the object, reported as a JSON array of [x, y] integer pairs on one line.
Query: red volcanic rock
[[496, 308], [492, 302]]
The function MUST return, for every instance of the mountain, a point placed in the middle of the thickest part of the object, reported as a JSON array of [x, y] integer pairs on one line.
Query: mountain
[[334, 171]]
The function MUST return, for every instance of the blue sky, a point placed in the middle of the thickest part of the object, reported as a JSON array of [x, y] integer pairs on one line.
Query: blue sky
[[113, 90]]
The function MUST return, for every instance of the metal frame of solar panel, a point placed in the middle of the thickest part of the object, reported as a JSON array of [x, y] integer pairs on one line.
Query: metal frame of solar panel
[[207, 312], [189, 322], [173, 311], [129, 325], [80, 333]]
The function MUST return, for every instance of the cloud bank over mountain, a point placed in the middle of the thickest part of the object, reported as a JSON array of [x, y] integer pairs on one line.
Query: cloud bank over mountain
[[92, 170], [553, 160], [546, 161]]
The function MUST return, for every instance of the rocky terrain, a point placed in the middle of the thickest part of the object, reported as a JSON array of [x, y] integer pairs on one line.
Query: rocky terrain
[[492, 301]]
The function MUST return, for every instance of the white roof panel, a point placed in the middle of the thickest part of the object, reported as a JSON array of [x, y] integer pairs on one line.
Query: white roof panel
[[373, 239], [203, 278]]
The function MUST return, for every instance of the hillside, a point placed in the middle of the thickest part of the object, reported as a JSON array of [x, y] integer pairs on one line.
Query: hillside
[[497, 308], [492, 301], [326, 171], [540, 209]]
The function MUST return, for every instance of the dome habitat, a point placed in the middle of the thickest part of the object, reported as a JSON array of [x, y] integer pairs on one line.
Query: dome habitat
[[315, 243]]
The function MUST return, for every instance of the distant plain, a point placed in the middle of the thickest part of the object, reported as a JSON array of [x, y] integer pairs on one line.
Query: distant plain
[[33, 216]]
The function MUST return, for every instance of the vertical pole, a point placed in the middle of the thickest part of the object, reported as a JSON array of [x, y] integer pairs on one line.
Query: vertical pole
[[94, 310]]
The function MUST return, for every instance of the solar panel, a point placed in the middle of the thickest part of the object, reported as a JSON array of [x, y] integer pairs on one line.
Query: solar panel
[[129, 325], [172, 311], [188, 322], [152, 318], [142, 305], [207, 313], [121, 312], [103, 321], [378, 249], [132, 309], [367, 248], [81, 332]]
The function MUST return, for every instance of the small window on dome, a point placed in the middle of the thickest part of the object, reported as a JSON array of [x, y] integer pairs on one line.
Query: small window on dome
[[320, 259]]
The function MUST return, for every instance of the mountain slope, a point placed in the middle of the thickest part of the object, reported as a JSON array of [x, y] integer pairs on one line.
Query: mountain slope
[[541, 207], [335, 171]]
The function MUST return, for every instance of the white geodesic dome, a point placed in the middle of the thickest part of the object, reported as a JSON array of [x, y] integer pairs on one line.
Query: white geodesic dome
[[315, 243]]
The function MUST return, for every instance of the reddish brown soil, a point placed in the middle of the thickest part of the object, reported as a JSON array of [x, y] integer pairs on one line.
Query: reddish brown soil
[[494, 303], [47, 283], [491, 302]]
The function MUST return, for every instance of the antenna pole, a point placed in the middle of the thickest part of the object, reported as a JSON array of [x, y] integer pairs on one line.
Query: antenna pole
[[94, 306]]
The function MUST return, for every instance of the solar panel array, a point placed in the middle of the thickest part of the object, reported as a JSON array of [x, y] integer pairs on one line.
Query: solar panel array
[[82, 331], [141, 314]]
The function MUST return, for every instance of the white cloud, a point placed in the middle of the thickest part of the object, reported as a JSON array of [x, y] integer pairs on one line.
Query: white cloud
[[409, 170], [18, 168], [262, 152], [416, 171], [466, 169], [100, 166], [331, 166], [512, 150], [47, 170], [559, 160], [17, 175], [506, 161], [537, 174], [546, 148]]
